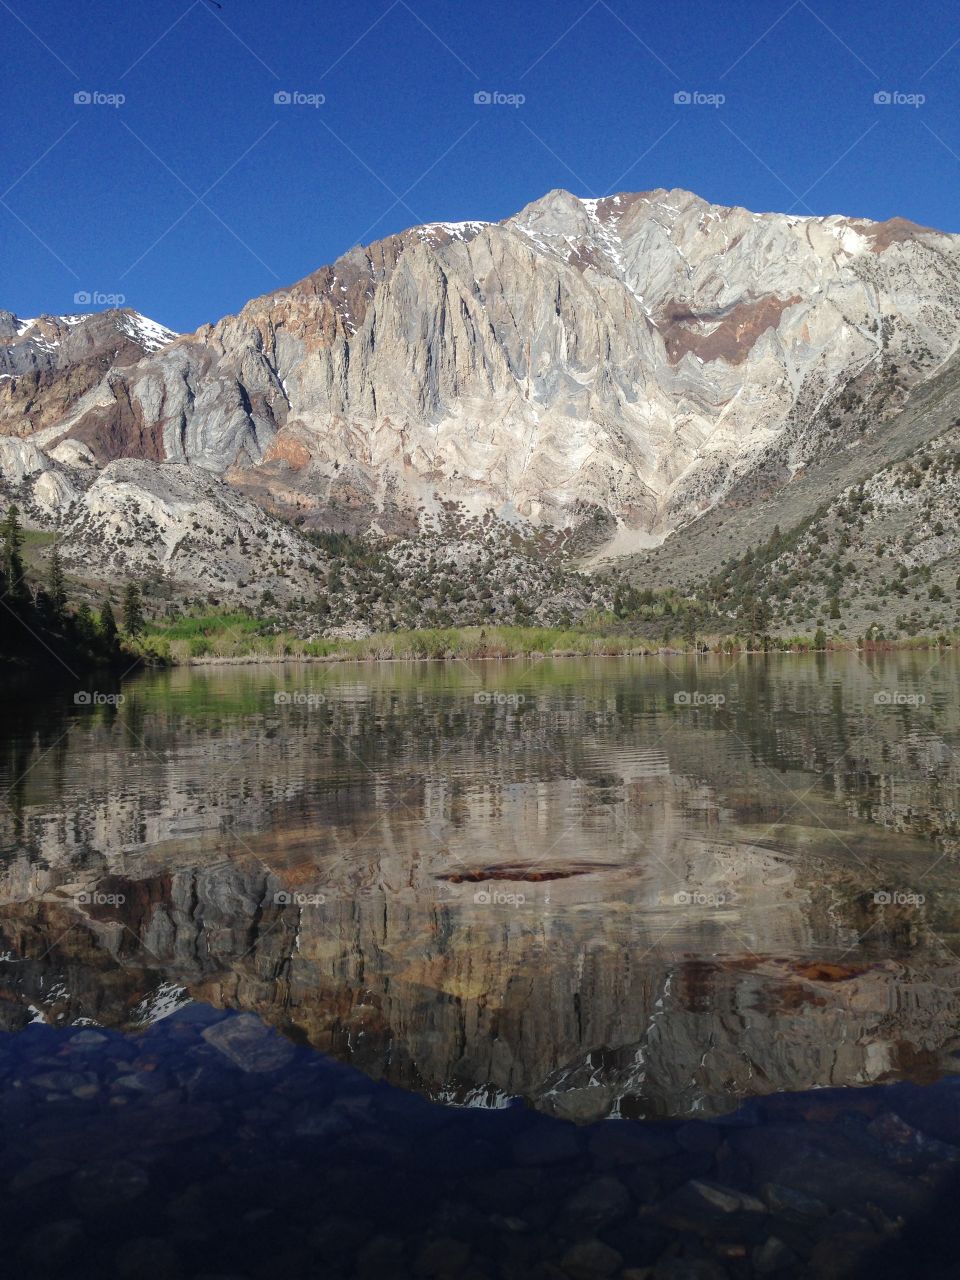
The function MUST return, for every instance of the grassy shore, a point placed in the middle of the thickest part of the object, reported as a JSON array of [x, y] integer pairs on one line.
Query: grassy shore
[[236, 638]]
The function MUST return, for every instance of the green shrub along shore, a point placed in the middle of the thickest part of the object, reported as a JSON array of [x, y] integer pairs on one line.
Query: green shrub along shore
[[231, 637], [41, 628]]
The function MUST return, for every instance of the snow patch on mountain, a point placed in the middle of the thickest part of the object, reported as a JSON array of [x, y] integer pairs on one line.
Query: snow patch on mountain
[[456, 230], [145, 332]]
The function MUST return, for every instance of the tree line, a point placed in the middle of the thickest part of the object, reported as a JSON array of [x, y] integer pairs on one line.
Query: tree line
[[42, 615]]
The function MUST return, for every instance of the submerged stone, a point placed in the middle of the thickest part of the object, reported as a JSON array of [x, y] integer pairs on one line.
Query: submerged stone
[[617, 1142], [442, 1257], [51, 1246], [773, 1256], [88, 1040], [726, 1199], [249, 1043], [697, 1136], [590, 1260], [100, 1188], [599, 1203], [39, 1172], [148, 1258], [789, 1201]]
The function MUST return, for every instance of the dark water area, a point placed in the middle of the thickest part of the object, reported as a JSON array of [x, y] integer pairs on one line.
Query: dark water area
[[561, 969], [209, 1146]]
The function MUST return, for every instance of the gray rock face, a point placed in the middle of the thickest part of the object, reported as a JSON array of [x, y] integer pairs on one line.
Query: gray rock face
[[640, 355], [51, 364], [174, 521], [185, 523]]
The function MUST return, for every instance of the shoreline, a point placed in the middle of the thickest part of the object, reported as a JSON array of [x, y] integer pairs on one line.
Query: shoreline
[[306, 659], [220, 639], [146, 658]]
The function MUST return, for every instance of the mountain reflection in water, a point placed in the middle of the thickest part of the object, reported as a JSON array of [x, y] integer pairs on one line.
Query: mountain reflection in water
[[579, 889]]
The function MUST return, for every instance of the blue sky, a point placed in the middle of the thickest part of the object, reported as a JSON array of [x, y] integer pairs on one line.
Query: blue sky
[[199, 190]]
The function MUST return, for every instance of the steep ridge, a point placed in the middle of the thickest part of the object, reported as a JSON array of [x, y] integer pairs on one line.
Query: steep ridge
[[49, 363], [622, 365], [761, 502]]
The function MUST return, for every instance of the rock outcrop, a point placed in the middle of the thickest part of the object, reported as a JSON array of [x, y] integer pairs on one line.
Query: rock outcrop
[[635, 359], [50, 363]]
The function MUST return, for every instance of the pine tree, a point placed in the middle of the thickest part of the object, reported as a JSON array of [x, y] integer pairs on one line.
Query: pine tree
[[108, 626], [133, 622], [56, 586], [11, 559], [85, 626]]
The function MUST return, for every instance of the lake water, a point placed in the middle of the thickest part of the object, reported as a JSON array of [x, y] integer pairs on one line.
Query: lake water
[[554, 968]]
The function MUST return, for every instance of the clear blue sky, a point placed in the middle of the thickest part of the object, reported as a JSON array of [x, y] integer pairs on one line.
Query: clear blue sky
[[113, 208]]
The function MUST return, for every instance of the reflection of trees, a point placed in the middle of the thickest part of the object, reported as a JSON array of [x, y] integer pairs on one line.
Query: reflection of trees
[[216, 747], [200, 798]]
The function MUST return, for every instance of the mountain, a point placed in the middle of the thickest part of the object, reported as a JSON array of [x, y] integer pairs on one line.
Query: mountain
[[620, 368], [49, 363]]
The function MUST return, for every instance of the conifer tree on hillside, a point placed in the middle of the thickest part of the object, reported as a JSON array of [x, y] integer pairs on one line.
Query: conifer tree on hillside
[[108, 626], [133, 621], [85, 626], [11, 557], [56, 586]]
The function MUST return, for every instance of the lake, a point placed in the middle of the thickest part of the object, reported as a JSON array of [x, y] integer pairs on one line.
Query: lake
[[593, 967]]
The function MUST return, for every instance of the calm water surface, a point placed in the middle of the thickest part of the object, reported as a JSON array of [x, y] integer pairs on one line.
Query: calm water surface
[[520, 968]]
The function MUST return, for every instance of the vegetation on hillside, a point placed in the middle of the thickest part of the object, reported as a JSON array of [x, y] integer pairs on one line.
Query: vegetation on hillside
[[879, 563], [38, 624], [479, 588]]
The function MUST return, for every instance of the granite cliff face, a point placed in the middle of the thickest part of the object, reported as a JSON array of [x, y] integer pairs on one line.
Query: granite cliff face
[[633, 360]]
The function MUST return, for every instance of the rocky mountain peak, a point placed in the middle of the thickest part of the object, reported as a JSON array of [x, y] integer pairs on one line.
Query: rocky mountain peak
[[630, 361], [49, 363]]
